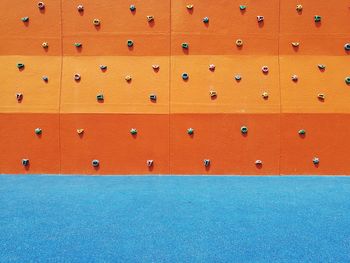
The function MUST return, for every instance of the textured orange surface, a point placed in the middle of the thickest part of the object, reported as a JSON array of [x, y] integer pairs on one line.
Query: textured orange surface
[[62, 105]]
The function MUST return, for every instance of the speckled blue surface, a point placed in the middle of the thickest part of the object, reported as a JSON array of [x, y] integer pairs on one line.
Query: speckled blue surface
[[174, 219]]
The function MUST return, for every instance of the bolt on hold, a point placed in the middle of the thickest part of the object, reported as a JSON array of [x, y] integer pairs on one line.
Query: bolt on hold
[[242, 7], [77, 44], [95, 163], [77, 77], [80, 131], [347, 46], [185, 76], [45, 45], [265, 69], [205, 20], [38, 131], [133, 131], [19, 97], [265, 95], [347, 80], [190, 131], [189, 6], [238, 77], [184, 45], [321, 66], [132, 8], [212, 67], [295, 78], [260, 19], [96, 22], [20, 65], [153, 97], [316, 160], [206, 162], [128, 78], [149, 163], [244, 129], [213, 94], [100, 97], [80, 8], [295, 44], [155, 66], [239, 42], [130, 43], [317, 19], [25, 162], [258, 162], [299, 8], [41, 5], [103, 67], [321, 96], [302, 132], [25, 19], [150, 18]]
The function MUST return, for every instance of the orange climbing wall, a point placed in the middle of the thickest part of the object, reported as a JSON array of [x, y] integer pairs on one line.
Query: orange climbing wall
[[62, 105]]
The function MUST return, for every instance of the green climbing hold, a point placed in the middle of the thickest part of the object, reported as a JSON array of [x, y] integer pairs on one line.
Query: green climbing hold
[[78, 44], [38, 131], [100, 97], [20, 65], [133, 131], [206, 20], [130, 43], [185, 45], [25, 19], [244, 129], [190, 131], [302, 132], [318, 19], [242, 7]]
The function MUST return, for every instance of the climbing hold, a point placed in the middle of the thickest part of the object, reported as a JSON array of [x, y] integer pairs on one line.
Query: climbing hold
[[133, 131], [189, 6], [130, 43], [190, 131], [96, 22], [25, 19], [185, 45], [299, 8], [242, 7], [153, 97], [95, 163], [41, 5], [132, 8], [295, 44], [77, 44], [155, 66], [258, 162], [239, 42], [295, 78], [213, 93], [103, 67], [45, 78], [20, 65], [206, 162], [244, 129], [206, 20], [260, 19], [149, 163], [265, 69], [100, 97], [321, 66], [347, 46], [316, 160], [317, 19], [77, 77], [185, 76], [80, 131], [302, 132], [38, 131], [265, 95], [212, 67], [347, 80], [128, 78], [45, 45], [25, 162], [321, 96], [19, 97], [150, 18], [238, 77], [80, 8]]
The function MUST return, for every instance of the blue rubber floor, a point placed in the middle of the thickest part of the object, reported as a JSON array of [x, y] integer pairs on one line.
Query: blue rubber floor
[[174, 219]]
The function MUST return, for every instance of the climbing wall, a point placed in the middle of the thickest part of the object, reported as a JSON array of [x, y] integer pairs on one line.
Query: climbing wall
[[175, 87]]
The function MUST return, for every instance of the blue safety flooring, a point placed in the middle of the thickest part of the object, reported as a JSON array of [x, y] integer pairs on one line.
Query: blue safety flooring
[[174, 219]]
